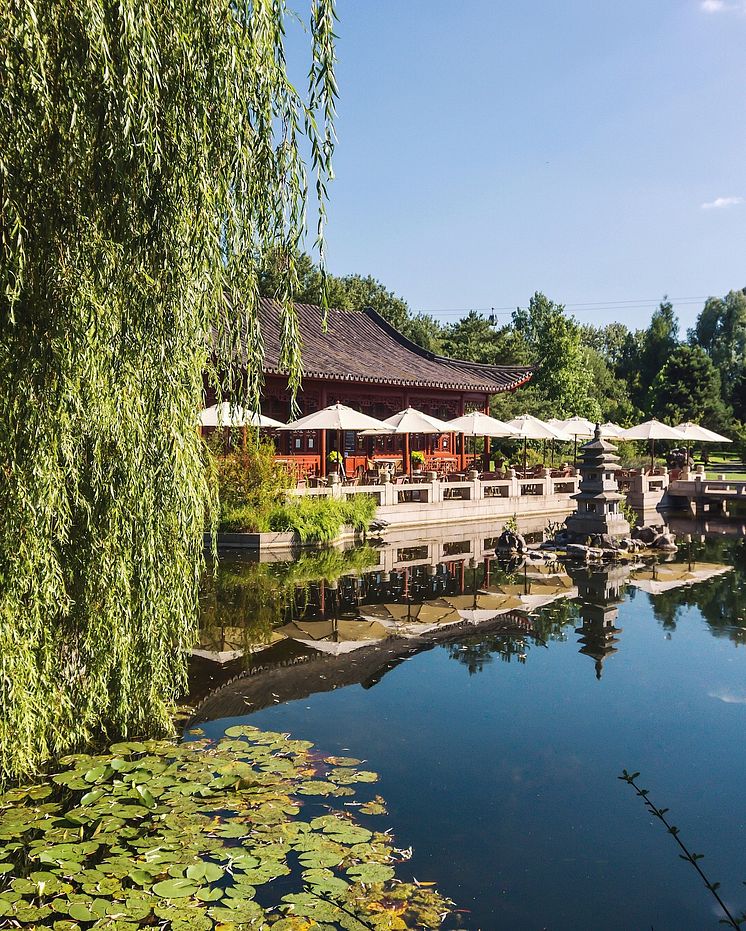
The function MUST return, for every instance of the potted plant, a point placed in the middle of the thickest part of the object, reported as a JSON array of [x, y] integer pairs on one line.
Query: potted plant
[[417, 458], [334, 463]]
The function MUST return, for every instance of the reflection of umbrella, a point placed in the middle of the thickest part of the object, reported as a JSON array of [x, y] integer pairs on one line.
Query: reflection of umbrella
[[335, 636], [527, 428], [657, 579], [412, 619], [652, 430], [534, 594], [230, 644], [407, 422], [233, 415], [483, 606]]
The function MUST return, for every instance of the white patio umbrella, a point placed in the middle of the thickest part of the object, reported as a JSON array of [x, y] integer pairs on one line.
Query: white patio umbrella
[[337, 417], [233, 415], [407, 422], [476, 423], [578, 427], [612, 430], [696, 434], [528, 427], [652, 430]]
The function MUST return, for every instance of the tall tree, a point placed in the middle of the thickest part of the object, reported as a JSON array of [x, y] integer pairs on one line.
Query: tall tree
[[474, 338], [349, 292], [149, 155], [721, 331], [688, 388], [659, 341], [555, 346]]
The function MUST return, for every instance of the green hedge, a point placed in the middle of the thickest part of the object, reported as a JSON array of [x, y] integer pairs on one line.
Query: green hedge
[[315, 520]]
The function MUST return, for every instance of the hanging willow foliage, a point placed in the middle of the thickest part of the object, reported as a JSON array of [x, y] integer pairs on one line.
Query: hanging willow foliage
[[151, 152]]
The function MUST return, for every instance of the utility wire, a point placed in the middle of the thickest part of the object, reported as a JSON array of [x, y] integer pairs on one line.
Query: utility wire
[[587, 307]]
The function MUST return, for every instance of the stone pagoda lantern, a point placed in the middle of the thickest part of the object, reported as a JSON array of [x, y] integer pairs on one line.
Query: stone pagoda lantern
[[598, 509]]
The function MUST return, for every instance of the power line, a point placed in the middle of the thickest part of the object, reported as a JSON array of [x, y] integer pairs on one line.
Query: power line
[[586, 307]]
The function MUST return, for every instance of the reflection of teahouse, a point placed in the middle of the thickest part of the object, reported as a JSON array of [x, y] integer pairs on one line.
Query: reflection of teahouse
[[598, 499], [600, 594]]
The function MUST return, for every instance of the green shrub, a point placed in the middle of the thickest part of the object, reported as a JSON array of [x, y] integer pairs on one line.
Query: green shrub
[[320, 520]]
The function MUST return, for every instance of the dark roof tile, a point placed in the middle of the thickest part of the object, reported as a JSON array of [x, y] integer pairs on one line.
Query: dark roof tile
[[362, 346]]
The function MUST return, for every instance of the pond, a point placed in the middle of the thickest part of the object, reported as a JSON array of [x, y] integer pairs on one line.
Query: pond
[[499, 745], [497, 701]]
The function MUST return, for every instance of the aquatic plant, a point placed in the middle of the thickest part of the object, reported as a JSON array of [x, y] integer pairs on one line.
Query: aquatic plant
[[151, 156], [196, 836], [688, 855]]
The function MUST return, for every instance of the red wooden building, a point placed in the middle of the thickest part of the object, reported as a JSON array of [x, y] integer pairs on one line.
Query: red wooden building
[[362, 361]]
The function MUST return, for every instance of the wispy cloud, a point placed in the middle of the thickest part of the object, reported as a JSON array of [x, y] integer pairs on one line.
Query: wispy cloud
[[722, 6], [730, 698], [721, 203]]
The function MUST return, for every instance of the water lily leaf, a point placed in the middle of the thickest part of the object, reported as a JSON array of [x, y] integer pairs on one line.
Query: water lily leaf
[[209, 872], [146, 796], [210, 893], [232, 830], [341, 761], [350, 834], [375, 807], [175, 888], [317, 859], [242, 911], [241, 730], [317, 787], [370, 873], [80, 911], [325, 882]]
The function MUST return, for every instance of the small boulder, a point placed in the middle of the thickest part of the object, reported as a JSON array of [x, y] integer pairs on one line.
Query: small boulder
[[646, 535]]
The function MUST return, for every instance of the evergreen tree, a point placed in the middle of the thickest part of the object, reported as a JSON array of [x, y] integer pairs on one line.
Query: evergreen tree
[[688, 388]]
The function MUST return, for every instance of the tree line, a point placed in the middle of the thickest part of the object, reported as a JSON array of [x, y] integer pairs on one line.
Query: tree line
[[606, 372]]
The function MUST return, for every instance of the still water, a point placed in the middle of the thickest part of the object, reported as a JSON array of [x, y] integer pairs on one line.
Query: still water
[[499, 745]]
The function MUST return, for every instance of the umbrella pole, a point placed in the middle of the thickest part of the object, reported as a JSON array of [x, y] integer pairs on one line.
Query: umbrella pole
[[575, 452], [525, 452]]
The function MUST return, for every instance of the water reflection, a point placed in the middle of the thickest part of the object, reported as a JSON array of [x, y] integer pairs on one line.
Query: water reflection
[[280, 631]]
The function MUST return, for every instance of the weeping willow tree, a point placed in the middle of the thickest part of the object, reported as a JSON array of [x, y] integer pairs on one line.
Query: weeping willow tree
[[151, 152]]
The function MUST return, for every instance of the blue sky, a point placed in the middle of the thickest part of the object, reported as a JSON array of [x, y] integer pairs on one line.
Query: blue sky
[[490, 149]]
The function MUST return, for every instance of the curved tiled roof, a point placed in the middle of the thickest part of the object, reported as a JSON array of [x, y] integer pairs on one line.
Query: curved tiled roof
[[361, 346]]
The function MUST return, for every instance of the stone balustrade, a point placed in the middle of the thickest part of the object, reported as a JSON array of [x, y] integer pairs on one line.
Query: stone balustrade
[[418, 503]]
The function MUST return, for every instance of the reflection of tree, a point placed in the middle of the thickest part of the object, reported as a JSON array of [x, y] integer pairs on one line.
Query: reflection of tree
[[250, 599], [721, 601], [476, 651], [667, 607]]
